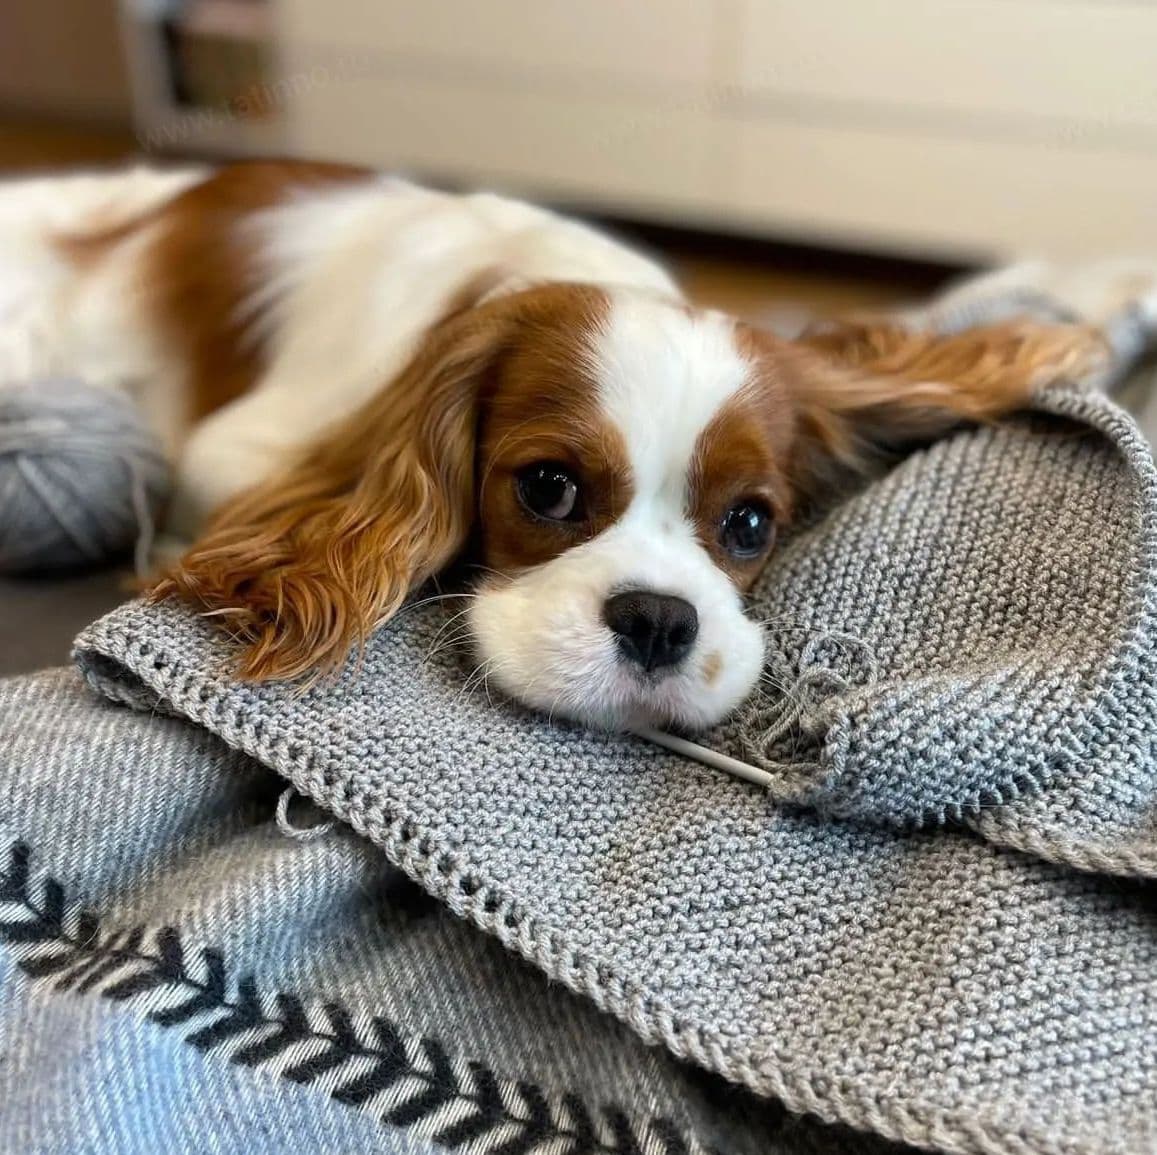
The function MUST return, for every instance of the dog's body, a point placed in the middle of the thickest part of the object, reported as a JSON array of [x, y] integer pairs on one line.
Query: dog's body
[[341, 273], [359, 378]]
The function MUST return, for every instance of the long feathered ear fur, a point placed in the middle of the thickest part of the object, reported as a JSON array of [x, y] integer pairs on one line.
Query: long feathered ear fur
[[304, 566], [862, 389]]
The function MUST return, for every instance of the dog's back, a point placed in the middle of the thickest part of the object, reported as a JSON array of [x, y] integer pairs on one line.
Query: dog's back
[[248, 306], [59, 317]]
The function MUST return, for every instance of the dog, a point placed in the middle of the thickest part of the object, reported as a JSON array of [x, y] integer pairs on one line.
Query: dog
[[360, 381]]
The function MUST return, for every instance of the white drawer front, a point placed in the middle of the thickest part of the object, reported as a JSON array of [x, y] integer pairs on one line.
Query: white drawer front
[[606, 150], [931, 195], [636, 40], [1082, 61]]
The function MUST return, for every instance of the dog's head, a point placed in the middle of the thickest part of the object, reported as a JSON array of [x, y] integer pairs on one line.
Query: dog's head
[[617, 464]]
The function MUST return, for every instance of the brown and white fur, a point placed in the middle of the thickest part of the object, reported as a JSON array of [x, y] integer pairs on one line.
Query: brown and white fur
[[356, 376]]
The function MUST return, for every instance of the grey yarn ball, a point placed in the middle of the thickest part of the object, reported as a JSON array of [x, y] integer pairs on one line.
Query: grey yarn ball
[[82, 477]]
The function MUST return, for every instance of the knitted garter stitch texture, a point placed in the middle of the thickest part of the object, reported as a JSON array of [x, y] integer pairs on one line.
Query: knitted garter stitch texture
[[930, 927]]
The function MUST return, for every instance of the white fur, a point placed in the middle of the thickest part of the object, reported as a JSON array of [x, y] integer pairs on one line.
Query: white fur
[[663, 374], [56, 323], [348, 279]]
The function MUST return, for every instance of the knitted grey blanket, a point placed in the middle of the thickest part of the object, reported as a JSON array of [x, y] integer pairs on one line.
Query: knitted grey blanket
[[935, 926]]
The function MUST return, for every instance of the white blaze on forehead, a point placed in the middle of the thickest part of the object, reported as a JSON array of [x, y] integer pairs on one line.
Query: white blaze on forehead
[[663, 373]]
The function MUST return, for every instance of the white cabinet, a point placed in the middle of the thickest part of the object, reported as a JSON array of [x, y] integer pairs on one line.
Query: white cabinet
[[1063, 68], [551, 40], [973, 128]]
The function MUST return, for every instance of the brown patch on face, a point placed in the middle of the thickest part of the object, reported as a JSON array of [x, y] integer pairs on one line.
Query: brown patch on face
[[543, 408], [744, 454], [198, 269], [861, 389], [306, 564], [712, 665]]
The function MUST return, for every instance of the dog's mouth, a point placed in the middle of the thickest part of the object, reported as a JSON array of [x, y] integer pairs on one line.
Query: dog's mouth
[[562, 658], [636, 699]]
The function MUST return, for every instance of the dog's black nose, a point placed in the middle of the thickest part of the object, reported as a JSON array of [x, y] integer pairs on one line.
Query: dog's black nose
[[654, 630]]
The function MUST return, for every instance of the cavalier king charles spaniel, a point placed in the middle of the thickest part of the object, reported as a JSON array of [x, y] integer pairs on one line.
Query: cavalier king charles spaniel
[[361, 381]]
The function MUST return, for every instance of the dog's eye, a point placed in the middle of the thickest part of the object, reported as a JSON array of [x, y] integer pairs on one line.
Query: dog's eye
[[549, 490], [747, 528]]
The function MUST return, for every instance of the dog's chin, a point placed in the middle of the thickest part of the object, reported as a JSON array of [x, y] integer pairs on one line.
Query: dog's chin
[[542, 641], [605, 692], [621, 702]]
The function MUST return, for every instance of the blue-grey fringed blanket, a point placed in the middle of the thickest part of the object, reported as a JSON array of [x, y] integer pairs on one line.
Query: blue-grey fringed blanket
[[937, 928]]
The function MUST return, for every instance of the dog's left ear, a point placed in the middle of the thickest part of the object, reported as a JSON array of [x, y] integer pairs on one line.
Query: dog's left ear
[[305, 565], [861, 389]]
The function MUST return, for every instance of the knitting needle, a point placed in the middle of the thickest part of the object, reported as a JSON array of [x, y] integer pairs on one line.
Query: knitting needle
[[707, 756]]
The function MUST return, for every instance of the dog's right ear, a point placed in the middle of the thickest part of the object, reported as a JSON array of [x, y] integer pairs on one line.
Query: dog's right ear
[[861, 389], [305, 565]]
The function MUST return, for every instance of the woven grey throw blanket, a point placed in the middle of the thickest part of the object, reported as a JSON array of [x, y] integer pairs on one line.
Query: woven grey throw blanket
[[936, 925]]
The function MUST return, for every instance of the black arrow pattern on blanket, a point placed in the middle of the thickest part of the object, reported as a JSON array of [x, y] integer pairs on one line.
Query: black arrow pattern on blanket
[[66, 945]]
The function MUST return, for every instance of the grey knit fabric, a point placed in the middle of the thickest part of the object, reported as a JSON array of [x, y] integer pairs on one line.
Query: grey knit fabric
[[960, 650], [926, 986], [376, 1021], [969, 640]]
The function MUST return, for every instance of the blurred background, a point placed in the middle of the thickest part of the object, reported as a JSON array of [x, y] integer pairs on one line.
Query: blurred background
[[785, 158], [941, 132]]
